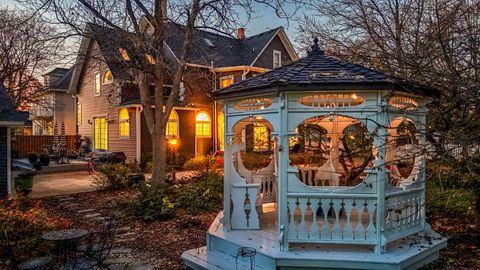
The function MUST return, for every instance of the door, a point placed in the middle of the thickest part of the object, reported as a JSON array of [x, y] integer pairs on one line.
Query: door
[[100, 134]]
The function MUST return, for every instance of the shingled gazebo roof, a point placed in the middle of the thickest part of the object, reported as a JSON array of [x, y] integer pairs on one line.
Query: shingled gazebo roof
[[321, 72]]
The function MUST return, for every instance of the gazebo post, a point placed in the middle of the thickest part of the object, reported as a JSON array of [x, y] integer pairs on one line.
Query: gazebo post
[[227, 165], [282, 177]]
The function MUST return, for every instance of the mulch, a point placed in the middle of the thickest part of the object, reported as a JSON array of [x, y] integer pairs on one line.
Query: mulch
[[161, 243]]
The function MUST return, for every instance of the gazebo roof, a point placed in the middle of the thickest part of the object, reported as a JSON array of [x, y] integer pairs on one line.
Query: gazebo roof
[[321, 72]]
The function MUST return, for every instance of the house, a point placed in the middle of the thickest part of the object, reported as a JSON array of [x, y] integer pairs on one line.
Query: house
[[54, 104], [9, 118], [344, 185], [108, 107]]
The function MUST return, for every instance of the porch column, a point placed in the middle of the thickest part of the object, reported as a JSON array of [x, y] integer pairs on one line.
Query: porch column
[[282, 174]]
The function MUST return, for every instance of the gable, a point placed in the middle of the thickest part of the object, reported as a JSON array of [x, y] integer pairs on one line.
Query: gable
[[265, 58]]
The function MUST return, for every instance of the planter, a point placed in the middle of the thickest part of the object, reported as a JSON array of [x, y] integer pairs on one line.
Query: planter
[[32, 157]]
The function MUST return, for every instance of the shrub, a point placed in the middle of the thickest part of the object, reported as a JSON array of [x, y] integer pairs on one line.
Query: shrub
[[44, 159], [201, 193], [25, 222], [255, 161], [32, 157], [146, 163], [24, 183], [111, 176], [201, 163], [152, 204]]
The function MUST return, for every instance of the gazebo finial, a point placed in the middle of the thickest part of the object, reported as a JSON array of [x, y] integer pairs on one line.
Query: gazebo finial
[[315, 48]]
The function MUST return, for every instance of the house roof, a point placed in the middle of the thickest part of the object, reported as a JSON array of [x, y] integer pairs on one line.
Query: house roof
[[207, 48], [64, 82], [318, 71], [9, 116]]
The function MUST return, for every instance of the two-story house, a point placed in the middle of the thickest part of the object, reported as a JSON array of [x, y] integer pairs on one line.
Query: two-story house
[[108, 103], [53, 104]]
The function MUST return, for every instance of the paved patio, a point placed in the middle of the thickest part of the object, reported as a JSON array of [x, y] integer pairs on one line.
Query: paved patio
[[46, 185]]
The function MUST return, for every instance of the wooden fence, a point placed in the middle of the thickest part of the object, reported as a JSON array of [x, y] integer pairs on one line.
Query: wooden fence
[[36, 143]]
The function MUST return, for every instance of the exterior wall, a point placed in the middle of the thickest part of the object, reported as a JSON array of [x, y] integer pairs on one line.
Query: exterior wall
[[122, 144], [266, 58], [65, 112], [4, 162]]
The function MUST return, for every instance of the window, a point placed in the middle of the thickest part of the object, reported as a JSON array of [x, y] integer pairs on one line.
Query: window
[[100, 133], [97, 84], [203, 125], [172, 125], [221, 131], [226, 81], [150, 59], [277, 59], [252, 104], [124, 123], [261, 136], [124, 54], [332, 100], [107, 77], [79, 113]]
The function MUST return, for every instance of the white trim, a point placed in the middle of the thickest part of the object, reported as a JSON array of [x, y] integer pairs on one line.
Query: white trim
[[9, 162], [277, 53]]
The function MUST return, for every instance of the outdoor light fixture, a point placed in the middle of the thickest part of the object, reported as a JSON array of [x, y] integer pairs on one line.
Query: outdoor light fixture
[[173, 141], [354, 96]]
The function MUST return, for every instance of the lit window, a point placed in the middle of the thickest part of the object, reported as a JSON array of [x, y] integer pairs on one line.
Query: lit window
[[107, 77], [124, 123], [226, 81], [97, 84], [172, 125], [150, 59], [221, 131], [124, 54], [79, 113], [203, 125], [277, 59], [100, 132], [260, 138]]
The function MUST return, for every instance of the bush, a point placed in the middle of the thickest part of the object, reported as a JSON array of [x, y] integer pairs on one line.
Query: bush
[[32, 157], [25, 222], [146, 163], [24, 182], [117, 158], [44, 159], [111, 176], [201, 163], [152, 204], [201, 193]]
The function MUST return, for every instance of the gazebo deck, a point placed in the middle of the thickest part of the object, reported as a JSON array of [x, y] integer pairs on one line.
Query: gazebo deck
[[408, 253]]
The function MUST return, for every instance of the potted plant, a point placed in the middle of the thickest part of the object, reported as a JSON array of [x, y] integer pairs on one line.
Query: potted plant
[[44, 159], [32, 157], [24, 183]]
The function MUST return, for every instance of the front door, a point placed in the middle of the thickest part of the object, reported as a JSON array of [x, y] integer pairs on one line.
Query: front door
[[100, 134]]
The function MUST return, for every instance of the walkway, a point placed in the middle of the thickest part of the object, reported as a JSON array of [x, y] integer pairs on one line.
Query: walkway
[[46, 185]]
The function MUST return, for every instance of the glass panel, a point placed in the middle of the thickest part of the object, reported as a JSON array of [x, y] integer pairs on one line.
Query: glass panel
[[203, 127], [124, 54], [100, 135], [97, 84], [79, 113], [332, 100], [221, 131], [252, 104], [226, 81], [107, 77], [124, 123]]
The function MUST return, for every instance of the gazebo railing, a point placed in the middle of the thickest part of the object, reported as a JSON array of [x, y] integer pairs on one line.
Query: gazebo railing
[[404, 213], [332, 218]]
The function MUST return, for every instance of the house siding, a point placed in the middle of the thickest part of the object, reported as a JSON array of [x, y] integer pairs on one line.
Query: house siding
[[3, 162], [265, 60], [65, 112]]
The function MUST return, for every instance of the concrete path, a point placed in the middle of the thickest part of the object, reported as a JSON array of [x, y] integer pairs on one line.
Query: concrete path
[[45, 185]]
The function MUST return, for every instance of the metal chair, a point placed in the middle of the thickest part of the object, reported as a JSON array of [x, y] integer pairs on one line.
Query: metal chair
[[33, 263], [98, 244]]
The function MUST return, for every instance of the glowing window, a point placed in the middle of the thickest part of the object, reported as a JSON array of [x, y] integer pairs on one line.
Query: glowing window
[[150, 59], [79, 113], [403, 103], [332, 100], [172, 124], [97, 84], [252, 104], [226, 81], [100, 132], [203, 125], [107, 77], [124, 121], [124, 54], [221, 131], [261, 136]]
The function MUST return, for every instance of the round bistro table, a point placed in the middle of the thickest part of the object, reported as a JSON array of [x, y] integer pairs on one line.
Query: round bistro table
[[65, 242]]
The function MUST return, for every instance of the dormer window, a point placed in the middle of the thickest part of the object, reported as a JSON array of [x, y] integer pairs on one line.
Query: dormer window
[[226, 81], [277, 59], [150, 59], [124, 54], [107, 77]]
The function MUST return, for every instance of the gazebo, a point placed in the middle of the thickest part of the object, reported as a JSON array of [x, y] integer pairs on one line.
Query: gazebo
[[324, 169]]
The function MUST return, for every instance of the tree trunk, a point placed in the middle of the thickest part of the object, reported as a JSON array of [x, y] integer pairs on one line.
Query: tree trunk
[[159, 160]]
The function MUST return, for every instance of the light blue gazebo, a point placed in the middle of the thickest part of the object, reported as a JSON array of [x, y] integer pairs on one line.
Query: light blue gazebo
[[324, 169]]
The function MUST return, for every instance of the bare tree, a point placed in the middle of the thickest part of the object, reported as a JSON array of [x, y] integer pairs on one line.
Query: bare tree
[[27, 48], [434, 42], [130, 16]]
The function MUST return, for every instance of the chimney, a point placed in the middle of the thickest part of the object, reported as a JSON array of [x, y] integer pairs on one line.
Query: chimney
[[241, 33]]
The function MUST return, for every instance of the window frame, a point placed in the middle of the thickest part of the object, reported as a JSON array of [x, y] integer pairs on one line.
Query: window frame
[[228, 77], [173, 121], [279, 54], [97, 84], [121, 122], [206, 125], [103, 77]]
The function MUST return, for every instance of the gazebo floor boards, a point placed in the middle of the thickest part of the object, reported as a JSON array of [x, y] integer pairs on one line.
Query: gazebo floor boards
[[408, 253]]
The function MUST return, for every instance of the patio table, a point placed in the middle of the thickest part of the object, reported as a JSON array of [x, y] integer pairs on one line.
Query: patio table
[[65, 242]]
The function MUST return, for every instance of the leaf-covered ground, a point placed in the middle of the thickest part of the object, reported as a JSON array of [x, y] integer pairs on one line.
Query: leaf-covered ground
[[161, 243]]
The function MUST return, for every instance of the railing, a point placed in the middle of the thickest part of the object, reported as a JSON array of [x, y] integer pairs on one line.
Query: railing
[[268, 187], [404, 213], [243, 206], [332, 218]]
